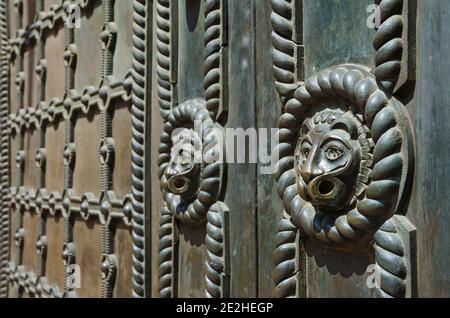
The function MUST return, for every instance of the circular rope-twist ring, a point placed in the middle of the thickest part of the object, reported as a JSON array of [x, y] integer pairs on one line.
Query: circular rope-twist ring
[[193, 112], [354, 85]]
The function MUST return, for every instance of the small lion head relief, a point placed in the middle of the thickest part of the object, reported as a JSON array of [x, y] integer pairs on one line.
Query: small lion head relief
[[329, 160], [182, 175]]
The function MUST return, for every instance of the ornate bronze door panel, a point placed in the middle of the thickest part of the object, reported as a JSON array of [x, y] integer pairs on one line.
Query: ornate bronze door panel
[[69, 131], [115, 182], [354, 85]]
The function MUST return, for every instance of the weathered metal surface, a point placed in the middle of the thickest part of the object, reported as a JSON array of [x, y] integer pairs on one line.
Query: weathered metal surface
[[69, 194], [191, 94], [84, 182], [430, 195], [337, 189]]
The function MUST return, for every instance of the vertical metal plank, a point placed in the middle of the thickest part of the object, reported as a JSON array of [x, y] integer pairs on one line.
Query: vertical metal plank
[[268, 109], [336, 32], [242, 181], [69, 152], [430, 113]]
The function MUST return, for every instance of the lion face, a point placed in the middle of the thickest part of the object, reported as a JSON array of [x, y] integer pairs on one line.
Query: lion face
[[327, 161], [182, 174]]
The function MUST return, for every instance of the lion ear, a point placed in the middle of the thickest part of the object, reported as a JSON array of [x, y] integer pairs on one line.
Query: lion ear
[[306, 127], [346, 124]]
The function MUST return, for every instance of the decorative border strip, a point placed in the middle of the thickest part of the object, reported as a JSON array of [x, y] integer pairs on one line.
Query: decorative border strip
[[108, 37], [388, 43], [69, 249], [215, 66], [91, 99], [138, 143], [390, 260], [167, 267], [285, 259], [41, 155], [4, 150], [67, 204], [164, 56], [217, 276], [285, 50]]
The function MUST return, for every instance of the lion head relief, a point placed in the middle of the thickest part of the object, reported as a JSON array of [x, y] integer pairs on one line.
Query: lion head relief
[[331, 160]]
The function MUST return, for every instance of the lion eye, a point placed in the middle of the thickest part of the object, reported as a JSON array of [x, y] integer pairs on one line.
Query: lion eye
[[333, 153], [305, 153]]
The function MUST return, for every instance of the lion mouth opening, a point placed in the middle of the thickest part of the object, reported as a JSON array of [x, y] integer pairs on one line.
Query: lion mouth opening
[[178, 185], [326, 188]]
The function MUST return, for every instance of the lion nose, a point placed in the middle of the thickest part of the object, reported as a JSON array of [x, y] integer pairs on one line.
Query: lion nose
[[310, 171]]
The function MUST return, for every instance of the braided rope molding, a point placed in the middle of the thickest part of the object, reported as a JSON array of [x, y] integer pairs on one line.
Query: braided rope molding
[[164, 56], [285, 255], [388, 43], [188, 113], [216, 241], [166, 254], [138, 133], [349, 84], [4, 151], [390, 261], [214, 57], [284, 48], [185, 115]]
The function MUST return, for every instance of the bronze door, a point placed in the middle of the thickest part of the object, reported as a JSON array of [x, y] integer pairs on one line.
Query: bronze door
[[98, 199], [350, 220], [69, 131]]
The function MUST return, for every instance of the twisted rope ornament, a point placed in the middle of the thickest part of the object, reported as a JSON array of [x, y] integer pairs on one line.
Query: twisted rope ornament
[[205, 208], [381, 112], [284, 48], [388, 43], [348, 84], [164, 56], [4, 151], [138, 131], [189, 113], [391, 265], [286, 267], [215, 250], [213, 55], [166, 254]]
